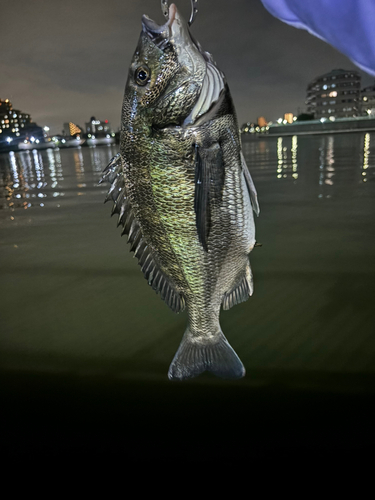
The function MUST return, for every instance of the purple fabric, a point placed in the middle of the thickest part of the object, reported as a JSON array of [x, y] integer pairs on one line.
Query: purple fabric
[[348, 25]]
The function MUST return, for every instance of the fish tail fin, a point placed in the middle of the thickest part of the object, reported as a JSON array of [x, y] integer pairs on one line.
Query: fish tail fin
[[198, 354]]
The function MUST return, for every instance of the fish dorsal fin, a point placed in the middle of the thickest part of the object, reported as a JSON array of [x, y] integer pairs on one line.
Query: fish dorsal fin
[[157, 279], [250, 186], [241, 291], [209, 182]]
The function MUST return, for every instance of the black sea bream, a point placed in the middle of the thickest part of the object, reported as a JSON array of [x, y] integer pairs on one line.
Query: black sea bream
[[183, 192]]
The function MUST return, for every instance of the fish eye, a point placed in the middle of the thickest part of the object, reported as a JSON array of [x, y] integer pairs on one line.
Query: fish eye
[[142, 75]]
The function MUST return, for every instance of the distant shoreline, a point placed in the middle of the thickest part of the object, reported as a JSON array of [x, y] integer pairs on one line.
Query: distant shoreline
[[52, 145], [315, 127]]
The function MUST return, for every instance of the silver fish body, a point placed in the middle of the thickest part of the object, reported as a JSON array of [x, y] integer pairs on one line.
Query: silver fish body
[[183, 192]]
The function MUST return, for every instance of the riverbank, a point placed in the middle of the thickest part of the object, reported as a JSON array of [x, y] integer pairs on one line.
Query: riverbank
[[63, 143], [316, 127]]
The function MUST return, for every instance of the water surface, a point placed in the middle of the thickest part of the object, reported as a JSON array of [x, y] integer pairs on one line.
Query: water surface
[[74, 302], [71, 291]]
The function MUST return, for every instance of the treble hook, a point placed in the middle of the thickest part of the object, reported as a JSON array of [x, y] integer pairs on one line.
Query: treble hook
[[194, 10]]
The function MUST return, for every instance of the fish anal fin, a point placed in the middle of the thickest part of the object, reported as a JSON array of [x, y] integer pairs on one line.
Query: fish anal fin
[[241, 291]]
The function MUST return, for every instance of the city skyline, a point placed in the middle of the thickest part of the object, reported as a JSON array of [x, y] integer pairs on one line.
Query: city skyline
[[70, 61]]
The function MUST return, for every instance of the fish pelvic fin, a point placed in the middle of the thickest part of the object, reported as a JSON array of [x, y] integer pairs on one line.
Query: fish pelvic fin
[[196, 355]]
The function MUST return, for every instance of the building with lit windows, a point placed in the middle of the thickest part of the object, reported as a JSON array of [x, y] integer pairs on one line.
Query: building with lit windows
[[16, 126], [12, 120], [288, 117], [335, 94], [98, 127], [367, 106], [71, 129]]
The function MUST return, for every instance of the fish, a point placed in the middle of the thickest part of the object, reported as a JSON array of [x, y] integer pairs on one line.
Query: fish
[[182, 190]]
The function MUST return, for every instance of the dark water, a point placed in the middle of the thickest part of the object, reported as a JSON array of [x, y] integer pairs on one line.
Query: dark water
[[86, 344]]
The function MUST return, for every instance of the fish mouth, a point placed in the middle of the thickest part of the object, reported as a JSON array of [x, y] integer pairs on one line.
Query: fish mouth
[[197, 63], [160, 34], [174, 32]]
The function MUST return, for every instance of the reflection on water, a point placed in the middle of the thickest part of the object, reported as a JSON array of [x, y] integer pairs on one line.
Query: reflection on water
[[37, 178], [328, 162], [287, 162], [366, 154], [331, 163]]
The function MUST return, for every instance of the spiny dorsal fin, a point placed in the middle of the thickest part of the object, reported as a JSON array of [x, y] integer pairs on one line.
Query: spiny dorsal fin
[[250, 186], [159, 281], [112, 169], [241, 291], [209, 182]]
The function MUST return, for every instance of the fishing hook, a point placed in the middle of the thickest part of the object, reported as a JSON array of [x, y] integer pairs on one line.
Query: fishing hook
[[194, 10]]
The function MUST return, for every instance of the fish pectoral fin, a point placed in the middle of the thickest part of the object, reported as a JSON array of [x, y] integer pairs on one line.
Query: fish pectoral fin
[[126, 218], [209, 182], [250, 186], [241, 291]]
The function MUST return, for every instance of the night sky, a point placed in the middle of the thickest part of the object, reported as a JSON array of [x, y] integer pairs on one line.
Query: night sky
[[68, 61]]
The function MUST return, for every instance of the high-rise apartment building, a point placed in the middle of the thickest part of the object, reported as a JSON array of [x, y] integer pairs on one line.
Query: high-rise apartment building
[[12, 121], [335, 94], [367, 102]]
